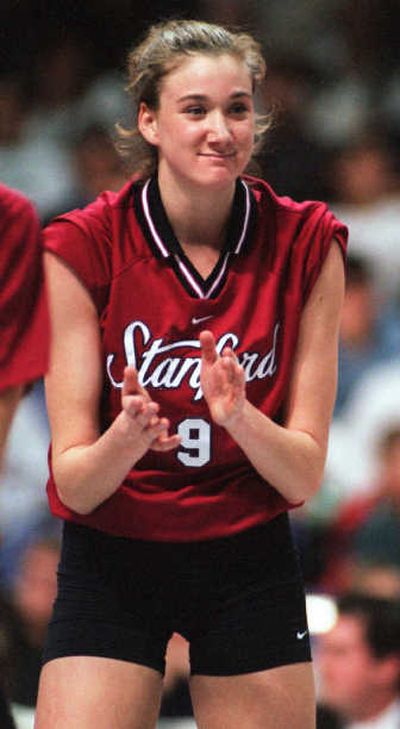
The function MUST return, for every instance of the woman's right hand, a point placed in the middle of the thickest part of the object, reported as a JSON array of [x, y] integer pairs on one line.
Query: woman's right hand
[[141, 421]]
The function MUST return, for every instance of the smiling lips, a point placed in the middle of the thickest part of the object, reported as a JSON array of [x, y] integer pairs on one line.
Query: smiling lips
[[215, 155]]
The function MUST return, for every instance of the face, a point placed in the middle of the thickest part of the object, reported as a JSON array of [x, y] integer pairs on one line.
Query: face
[[349, 674], [204, 126]]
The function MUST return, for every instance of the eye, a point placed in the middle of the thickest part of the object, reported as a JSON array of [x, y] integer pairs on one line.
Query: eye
[[195, 110], [239, 108]]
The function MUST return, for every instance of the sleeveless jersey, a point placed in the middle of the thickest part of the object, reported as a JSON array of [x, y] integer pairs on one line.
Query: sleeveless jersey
[[24, 321], [152, 304]]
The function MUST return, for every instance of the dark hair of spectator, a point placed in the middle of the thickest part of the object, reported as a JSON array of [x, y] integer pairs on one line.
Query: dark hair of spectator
[[358, 271], [380, 618]]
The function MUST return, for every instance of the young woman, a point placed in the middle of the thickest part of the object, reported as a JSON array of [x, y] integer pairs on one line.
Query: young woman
[[195, 319]]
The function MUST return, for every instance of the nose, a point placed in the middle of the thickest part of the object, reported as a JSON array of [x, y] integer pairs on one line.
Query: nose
[[219, 127]]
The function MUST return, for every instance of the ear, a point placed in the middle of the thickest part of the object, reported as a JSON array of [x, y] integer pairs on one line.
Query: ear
[[147, 123]]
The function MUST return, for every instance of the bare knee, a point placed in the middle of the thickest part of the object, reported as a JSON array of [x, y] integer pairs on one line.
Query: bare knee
[[274, 699], [87, 692]]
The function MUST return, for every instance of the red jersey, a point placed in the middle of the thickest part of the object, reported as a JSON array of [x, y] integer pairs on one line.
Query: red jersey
[[152, 304], [24, 322]]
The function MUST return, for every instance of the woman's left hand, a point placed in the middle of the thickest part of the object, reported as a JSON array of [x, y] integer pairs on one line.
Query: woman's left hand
[[222, 381]]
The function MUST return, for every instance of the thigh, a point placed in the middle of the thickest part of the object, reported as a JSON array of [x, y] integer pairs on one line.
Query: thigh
[[277, 698], [86, 692], [251, 615], [110, 602]]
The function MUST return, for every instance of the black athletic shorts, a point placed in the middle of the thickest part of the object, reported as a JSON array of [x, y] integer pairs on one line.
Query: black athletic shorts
[[239, 600]]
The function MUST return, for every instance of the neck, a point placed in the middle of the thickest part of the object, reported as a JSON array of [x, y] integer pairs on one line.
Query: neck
[[198, 216]]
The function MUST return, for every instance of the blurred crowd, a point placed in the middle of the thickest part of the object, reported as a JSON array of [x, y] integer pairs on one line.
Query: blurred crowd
[[333, 87]]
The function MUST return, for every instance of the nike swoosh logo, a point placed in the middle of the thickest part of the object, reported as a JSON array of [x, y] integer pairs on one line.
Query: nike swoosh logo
[[300, 635], [198, 320]]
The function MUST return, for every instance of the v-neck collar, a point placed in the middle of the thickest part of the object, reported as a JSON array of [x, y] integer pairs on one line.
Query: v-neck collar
[[161, 237]]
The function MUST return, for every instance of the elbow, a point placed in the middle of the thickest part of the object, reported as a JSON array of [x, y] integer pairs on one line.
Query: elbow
[[311, 469], [72, 499], [310, 489], [310, 484], [306, 479]]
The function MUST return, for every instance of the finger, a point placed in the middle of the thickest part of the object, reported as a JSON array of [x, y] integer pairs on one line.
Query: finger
[[208, 348], [229, 356], [229, 353], [131, 384], [133, 404], [140, 409], [166, 443], [162, 438], [229, 368]]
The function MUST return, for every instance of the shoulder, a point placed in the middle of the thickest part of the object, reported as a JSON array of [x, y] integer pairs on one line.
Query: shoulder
[[302, 223], [97, 215], [265, 195], [19, 230], [14, 206], [95, 241]]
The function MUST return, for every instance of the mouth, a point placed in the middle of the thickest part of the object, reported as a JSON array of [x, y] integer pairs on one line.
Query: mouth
[[218, 156]]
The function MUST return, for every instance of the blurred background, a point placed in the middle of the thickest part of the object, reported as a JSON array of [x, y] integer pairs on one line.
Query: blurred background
[[334, 85]]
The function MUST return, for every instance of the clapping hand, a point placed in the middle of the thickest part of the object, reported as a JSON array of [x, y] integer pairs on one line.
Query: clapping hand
[[143, 421], [222, 381]]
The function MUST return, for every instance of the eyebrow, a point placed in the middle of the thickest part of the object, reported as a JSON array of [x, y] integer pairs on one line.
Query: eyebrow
[[204, 97]]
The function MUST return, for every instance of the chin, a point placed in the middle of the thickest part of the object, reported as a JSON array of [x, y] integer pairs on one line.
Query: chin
[[219, 178]]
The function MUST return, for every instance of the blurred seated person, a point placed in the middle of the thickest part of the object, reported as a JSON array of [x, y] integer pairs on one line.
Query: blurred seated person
[[97, 163], [368, 333], [23, 323], [381, 580], [366, 531], [289, 147], [358, 664], [31, 599], [30, 160], [365, 194], [96, 166]]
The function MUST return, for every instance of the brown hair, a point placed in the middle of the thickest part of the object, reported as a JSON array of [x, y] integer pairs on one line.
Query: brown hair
[[162, 50]]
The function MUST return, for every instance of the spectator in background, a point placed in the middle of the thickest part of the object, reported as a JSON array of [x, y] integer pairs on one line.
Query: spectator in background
[[366, 195], [290, 147], [368, 335], [373, 406], [97, 167], [366, 533], [32, 599], [30, 161], [358, 662], [62, 73], [97, 162], [23, 320], [23, 306], [23, 361]]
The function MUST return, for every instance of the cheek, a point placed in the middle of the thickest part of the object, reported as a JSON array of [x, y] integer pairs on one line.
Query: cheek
[[246, 136], [179, 135]]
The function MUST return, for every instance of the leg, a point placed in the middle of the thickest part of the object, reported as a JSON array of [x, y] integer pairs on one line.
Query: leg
[[86, 692], [278, 698]]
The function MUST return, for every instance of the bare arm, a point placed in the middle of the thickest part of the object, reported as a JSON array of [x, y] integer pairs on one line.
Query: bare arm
[[290, 457], [9, 399], [89, 467]]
